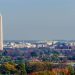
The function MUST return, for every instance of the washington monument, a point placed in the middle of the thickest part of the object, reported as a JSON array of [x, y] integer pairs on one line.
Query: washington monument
[[1, 34]]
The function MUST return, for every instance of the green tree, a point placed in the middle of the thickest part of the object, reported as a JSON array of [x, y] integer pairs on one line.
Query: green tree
[[33, 54], [21, 69], [71, 70], [8, 68]]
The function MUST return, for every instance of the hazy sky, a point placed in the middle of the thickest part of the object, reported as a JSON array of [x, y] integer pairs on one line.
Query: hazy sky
[[38, 19]]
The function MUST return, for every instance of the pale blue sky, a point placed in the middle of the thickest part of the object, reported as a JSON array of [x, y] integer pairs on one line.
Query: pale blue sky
[[38, 19]]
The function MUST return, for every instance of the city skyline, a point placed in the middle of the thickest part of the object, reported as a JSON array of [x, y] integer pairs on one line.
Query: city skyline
[[38, 20]]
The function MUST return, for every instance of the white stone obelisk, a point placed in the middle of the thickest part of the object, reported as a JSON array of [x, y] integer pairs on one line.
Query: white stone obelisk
[[1, 34]]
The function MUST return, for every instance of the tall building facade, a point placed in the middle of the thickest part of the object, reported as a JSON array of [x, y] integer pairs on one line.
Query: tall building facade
[[1, 34]]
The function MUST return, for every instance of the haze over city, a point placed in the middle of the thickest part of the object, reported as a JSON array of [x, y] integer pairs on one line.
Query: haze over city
[[38, 19], [37, 37]]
